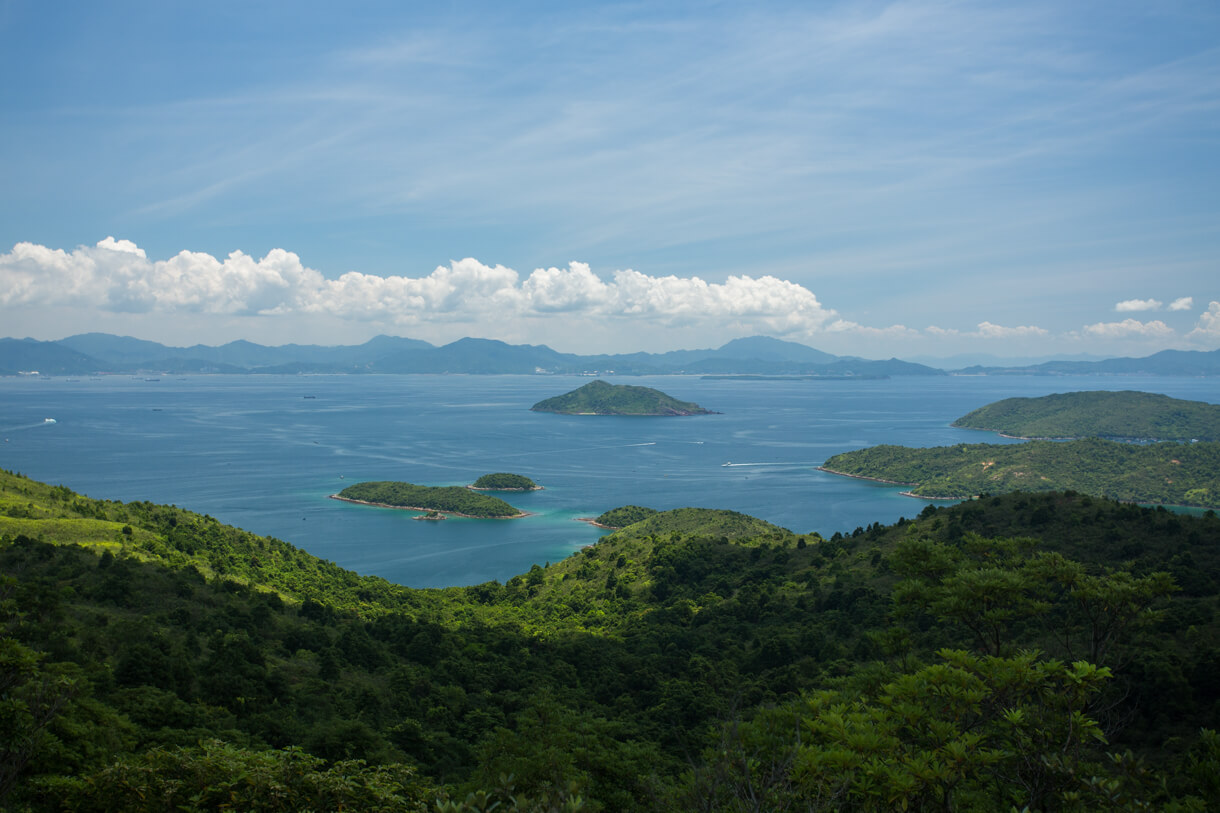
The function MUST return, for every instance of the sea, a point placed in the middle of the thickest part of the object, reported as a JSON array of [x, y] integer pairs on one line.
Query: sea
[[266, 452]]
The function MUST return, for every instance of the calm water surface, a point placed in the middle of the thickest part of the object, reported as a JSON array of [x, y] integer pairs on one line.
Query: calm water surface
[[264, 452]]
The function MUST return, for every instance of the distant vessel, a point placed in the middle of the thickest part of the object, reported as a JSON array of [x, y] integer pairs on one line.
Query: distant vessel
[[722, 465], [48, 420]]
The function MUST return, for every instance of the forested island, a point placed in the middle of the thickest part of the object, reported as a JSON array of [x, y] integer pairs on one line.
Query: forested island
[[1158, 473], [622, 516], [1045, 651], [601, 398], [1126, 415], [505, 481], [457, 500]]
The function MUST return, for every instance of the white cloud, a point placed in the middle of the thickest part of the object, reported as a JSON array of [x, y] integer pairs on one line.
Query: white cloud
[[117, 276], [987, 330], [1184, 303], [1208, 328], [1128, 328], [1131, 305]]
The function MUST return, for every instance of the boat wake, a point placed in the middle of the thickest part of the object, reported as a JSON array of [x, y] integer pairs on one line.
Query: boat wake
[[789, 465]]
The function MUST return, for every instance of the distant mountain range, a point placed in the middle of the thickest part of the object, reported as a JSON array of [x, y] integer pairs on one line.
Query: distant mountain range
[[90, 353]]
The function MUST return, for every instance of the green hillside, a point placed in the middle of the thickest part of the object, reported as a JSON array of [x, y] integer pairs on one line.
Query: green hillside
[[600, 398], [1051, 651], [1164, 473], [1123, 415], [449, 499]]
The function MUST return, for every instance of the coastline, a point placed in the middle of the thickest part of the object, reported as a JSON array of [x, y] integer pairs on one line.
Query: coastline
[[593, 521], [519, 490], [862, 477], [894, 483], [518, 515]]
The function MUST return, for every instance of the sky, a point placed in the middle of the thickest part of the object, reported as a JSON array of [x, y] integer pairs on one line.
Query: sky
[[923, 178]]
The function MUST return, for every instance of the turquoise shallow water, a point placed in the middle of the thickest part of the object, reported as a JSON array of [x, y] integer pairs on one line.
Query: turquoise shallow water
[[264, 452]]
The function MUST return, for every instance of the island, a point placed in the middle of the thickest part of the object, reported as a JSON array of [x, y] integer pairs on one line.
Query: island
[[600, 398], [620, 517], [505, 481], [1126, 415], [454, 500], [1158, 473]]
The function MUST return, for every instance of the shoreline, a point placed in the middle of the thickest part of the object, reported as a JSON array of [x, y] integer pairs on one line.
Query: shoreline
[[593, 521], [518, 515], [894, 483], [863, 477], [518, 490]]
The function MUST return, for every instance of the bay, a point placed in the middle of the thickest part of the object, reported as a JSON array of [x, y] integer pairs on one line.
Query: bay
[[265, 452]]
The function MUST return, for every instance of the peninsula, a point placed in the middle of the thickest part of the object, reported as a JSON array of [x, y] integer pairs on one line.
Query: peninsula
[[456, 500], [1161, 473], [601, 398], [1126, 415]]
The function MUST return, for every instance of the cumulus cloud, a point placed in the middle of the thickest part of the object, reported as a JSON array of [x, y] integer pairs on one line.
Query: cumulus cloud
[[1128, 328], [1208, 328], [1184, 303], [116, 275], [1132, 305]]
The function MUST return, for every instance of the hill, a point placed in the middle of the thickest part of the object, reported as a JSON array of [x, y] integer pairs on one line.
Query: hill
[[601, 398], [505, 481], [892, 667], [1123, 415], [91, 352], [1160, 473], [1166, 362]]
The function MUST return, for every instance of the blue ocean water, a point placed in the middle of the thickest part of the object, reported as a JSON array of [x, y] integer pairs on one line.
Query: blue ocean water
[[264, 453]]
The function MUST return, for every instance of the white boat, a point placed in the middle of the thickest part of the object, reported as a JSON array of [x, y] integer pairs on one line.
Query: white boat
[[48, 420]]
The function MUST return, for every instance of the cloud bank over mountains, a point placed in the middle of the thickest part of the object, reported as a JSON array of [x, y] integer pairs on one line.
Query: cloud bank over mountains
[[117, 276]]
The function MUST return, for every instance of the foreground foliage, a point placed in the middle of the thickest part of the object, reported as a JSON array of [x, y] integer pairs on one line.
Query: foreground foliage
[[1054, 651]]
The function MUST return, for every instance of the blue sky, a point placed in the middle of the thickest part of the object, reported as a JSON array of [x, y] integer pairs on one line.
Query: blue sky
[[906, 178]]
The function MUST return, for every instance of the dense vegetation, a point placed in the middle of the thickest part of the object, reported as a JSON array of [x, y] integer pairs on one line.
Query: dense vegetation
[[1123, 415], [504, 481], [624, 515], [1054, 651], [600, 398], [1160, 473], [449, 499]]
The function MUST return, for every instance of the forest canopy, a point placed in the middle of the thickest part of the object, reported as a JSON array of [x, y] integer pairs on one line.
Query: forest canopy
[[1053, 651]]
